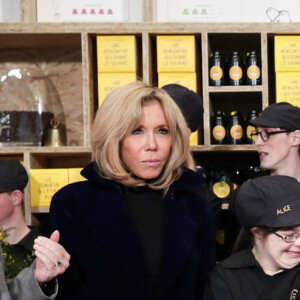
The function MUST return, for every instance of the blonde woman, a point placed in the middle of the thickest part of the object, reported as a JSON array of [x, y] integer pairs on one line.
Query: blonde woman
[[137, 228]]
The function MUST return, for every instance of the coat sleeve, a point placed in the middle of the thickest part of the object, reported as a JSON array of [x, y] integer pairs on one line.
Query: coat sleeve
[[217, 287], [63, 217], [25, 287]]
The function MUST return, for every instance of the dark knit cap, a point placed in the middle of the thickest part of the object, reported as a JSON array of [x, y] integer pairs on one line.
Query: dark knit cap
[[13, 176], [189, 102], [279, 115]]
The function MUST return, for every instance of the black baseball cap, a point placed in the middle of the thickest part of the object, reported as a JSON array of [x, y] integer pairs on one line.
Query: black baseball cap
[[189, 102], [13, 176], [282, 115], [272, 201]]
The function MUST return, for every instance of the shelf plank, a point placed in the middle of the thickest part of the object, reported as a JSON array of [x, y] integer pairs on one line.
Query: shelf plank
[[224, 148], [230, 89], [40, 209]]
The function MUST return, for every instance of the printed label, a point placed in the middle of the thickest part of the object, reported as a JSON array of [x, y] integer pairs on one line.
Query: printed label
[[216, 73], [236, 132], [253, 72], [221, 189], [235, 73], [219, 132], [250, 128]]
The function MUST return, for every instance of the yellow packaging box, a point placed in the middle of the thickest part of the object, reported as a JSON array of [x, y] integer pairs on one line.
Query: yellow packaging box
[[189, 80], [287, 53], [288, 87], [44, 183], [116, 53], [74, 175], [108, 82], [194, 138], [176, 53]]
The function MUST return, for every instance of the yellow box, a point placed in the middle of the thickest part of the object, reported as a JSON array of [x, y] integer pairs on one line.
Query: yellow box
[[44, 183], [287, 53], [189, 80], [288, 87], [74, 175], [176, 53], [107, 82], [194, 138], [116, 53]]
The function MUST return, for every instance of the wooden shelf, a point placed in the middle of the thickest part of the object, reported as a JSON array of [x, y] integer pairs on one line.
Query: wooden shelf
[[65, 47], [230, 89]]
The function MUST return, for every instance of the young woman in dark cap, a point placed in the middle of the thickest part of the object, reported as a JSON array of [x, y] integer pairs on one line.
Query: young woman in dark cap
[[267, 266]]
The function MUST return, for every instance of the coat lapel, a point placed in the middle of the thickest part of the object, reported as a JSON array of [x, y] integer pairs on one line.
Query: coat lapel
[[181, 233], [109, 221]]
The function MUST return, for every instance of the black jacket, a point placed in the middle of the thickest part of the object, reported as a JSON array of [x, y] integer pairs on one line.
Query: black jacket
[[106, 257], [240, 277]]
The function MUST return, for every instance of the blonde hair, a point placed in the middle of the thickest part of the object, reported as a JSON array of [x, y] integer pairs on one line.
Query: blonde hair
[[118, 116]]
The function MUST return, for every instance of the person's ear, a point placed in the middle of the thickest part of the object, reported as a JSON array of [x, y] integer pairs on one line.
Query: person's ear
[[296, 138], [257, 233], [17, 197]]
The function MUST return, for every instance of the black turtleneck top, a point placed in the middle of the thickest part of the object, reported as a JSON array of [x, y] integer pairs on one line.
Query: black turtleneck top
[[148, 212]]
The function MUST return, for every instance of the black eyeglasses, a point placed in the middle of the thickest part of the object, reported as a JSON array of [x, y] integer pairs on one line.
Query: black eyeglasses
[[264, 134], [289, 238]]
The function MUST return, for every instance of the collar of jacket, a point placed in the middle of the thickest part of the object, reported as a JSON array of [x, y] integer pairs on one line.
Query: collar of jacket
[[240, 259], [188, 180]]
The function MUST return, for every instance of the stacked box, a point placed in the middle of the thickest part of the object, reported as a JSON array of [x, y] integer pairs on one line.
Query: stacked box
[[287, 68], [44, 183], [176, 63], [116, 60]]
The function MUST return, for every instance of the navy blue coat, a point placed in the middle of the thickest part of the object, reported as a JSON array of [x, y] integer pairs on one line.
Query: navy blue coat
[[106, 257]]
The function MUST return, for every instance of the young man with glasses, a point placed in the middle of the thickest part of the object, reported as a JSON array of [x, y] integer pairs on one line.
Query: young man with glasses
[[277, 137]]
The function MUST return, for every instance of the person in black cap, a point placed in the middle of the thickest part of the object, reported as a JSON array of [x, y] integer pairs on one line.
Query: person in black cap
[[189, 102], [267, 263], [13, 180], [277, 137]]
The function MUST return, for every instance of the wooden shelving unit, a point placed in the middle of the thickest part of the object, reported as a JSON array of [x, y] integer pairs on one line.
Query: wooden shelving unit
[[72, 46]]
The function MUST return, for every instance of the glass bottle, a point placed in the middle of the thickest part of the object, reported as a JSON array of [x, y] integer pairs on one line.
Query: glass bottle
[[249, 128], [235, 69], [216, 69], [218, 128], [253, 69], [235, 131]]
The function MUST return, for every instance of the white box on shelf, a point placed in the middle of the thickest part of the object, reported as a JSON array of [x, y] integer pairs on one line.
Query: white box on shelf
[[10, 11], [270, 11], [198, 11], [82, 10]]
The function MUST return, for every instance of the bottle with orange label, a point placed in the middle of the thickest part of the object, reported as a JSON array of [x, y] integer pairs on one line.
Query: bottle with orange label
[[220, 184], [235, 69], [253, 69], [216, 69], [218, 129], [249, 128], [235, 130]]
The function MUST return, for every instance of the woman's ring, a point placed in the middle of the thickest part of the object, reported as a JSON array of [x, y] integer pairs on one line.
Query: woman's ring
[[58, 264]]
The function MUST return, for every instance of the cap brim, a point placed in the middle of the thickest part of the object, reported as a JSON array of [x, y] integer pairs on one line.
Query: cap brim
[[262, 122]]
